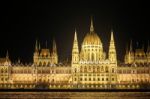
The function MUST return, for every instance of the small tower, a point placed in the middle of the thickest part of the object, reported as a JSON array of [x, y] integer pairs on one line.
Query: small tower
[[131, 54], [75, 60], [126, 55], [112, 49], [75, 51], [112, 56], [54, 53], [36, 53]]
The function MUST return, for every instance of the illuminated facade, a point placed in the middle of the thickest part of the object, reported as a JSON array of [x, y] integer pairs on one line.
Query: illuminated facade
[[90, 67]]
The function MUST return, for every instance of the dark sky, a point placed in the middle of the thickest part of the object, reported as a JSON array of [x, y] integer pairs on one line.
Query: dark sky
[[24, 22]]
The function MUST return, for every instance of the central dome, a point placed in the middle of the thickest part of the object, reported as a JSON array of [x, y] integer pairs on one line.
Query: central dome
[[92, 47], [91, 39]]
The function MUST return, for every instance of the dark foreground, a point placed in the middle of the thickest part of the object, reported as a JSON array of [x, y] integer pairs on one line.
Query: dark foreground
[[74, 95]]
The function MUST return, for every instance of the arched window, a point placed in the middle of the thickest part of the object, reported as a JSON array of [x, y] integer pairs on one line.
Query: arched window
[[89, 56], [102, 68], [40, 64], [48, 63], [106, 69], [2, 70], [44, 64], [75, 70], [92, 56], [113, 70]]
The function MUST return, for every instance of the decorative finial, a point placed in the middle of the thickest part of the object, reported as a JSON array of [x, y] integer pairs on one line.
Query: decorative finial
[[19, 60], [131, 45], [112, 35], [75, 36], [54, 45], [39, 46], [91, 27], [7, 55]]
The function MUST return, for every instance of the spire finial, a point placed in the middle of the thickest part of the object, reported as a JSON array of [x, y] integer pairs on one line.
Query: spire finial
[[19, 60], [112, 35], [131, 45], [39, 46], [91, 27], [7, 55], [54, 45], [75, 34]]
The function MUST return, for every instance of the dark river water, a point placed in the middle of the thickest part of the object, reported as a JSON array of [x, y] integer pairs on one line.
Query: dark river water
[[74, 95]]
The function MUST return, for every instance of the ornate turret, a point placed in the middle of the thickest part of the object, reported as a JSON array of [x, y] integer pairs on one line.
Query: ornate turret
[[131, 54], [36, 46], [54, 53], [75, 50], [75, 59], [112, 49], [36, 53], [39, 46], [126, 55]]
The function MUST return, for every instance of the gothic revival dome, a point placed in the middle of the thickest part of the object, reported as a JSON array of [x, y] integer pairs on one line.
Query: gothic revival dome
[[92, 39], [92, 48]]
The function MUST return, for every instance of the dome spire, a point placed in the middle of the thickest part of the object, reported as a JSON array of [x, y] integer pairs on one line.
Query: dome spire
[[131, 45], [91, 27]]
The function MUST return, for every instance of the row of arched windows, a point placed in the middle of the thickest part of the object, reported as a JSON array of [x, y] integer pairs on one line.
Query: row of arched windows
[[4, 70]]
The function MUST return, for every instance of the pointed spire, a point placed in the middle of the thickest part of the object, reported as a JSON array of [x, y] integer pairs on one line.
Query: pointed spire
[[19, 60], [54, 45], [7, 55], [91, 27], [75, 35], [75, 50], [39, 46], [75, 43], [112, 49], [36, 45], [112, 35], [127, 49], [131, 45]]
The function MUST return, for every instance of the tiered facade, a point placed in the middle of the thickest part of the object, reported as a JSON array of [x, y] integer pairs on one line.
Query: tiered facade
[[90, 67]]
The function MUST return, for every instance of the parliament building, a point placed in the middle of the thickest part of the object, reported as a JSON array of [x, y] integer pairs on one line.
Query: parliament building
[[90, 67]]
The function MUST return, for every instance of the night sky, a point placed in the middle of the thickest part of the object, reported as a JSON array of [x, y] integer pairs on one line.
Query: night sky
[[24, 22]]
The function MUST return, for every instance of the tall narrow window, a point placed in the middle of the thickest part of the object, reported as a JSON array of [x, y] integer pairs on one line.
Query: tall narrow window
[[113, 70], [92, 56]]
